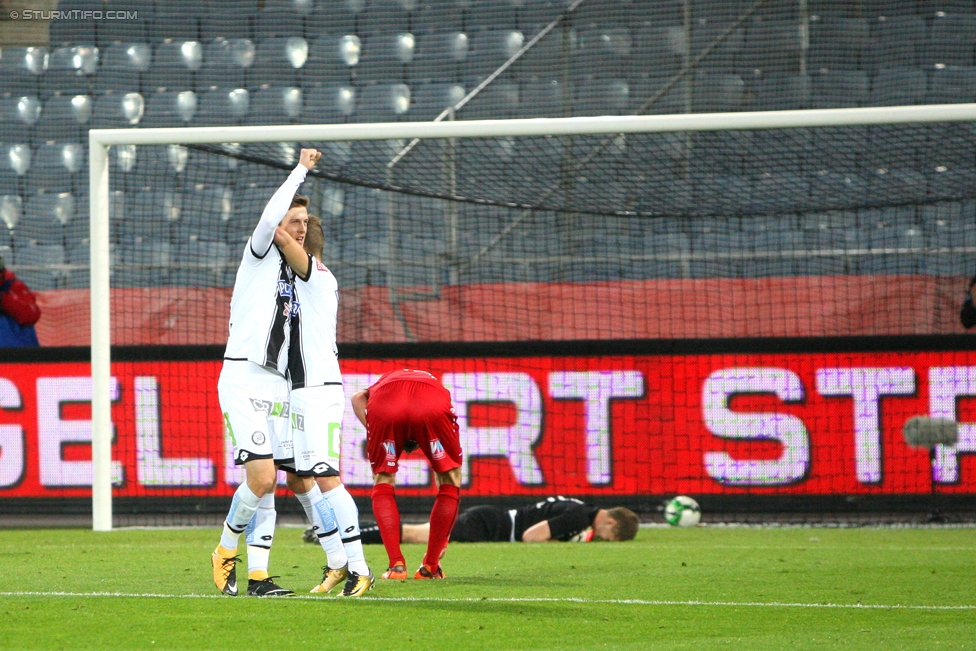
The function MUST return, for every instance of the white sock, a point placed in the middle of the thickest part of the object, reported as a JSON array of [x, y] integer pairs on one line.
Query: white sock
[[347, 517], [242, 509], [260, 535], [322, 517]]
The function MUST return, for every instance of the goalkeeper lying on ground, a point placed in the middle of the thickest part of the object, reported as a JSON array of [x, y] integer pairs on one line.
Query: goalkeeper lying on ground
[[555, 518]]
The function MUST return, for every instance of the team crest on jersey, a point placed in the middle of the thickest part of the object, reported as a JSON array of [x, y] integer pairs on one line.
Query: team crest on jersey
[[390, 452], [258, 438], [437, 449]]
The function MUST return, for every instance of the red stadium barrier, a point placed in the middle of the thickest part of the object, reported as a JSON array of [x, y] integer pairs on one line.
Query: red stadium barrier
[[808, 306], [628, 425]]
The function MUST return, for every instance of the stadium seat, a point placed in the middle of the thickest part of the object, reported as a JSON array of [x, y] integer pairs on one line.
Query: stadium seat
[[774, 254], [834, 190], [221, 107], [173, 66], [721, 153], [723, 57], [149, 214], [438, 57], [721, 194], [718, 12], [604, 51], [717, 93], [69, 70], [499, 100], [224, 63], [895, 146], [74, 30], [122, 67], [129, 27], [35, 264], [386, 17], [952, 240], [896, 186], [952, 38], [602, 97], [482, 15], [951, 85], [247, 207], [898, 87], [210, 169], [382, 103], [15, 160], [898, 40], [778, 193], [784, 92], [658, 49], [181, 25], [144, 263], [156, 167], [543, 98], [644, 88], [207, 264], [840, 89], [874, 9], [11, 211], [275, 105], [45, 215], [837, 44], [490, 48], [227, 25], [439, 15], [205, 212], [335, 16], [331, 58], [331, 103], [771, 46], [278, 61], [384, 57], [113, 110], [429, 100], [18, 113], [170, 109], [21, 68], [55, 167]]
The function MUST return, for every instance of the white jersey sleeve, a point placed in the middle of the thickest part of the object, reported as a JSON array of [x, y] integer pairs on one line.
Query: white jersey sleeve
[[262, 303], [313, 357]]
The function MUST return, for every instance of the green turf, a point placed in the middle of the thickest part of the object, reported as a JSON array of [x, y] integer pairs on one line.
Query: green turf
[[495, 595]]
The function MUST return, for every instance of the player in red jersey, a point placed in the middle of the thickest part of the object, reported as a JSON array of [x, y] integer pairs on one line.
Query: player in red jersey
[[404, 409]]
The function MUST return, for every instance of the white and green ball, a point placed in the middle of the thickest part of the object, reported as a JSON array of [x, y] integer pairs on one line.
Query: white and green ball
[[682, 511]]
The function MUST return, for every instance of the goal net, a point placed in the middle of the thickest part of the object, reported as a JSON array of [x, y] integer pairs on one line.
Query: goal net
[[745, 308]]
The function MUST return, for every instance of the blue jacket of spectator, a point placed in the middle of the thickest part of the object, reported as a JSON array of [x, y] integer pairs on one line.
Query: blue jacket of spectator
[[13, 334]]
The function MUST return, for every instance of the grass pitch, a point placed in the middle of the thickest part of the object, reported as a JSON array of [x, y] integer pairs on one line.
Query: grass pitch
[[704, 588]]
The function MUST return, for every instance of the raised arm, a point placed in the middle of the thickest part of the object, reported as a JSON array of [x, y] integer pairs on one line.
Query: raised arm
[[279, 204], [296, 256]]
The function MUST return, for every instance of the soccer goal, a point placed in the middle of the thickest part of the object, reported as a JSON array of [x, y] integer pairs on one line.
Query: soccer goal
[[497, 252]]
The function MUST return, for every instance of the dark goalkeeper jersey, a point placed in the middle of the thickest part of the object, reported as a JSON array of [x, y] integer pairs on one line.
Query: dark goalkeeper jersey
[[567, 517]]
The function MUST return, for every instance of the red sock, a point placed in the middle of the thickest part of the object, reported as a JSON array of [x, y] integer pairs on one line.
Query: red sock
[[442, 518], [388, 520]]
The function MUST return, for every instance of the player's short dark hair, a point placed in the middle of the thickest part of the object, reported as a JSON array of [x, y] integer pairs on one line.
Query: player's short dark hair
[[315, 237], [627, 523], [299, 201]]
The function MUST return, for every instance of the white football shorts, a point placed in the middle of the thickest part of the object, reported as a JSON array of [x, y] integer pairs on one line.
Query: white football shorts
[[316, 418], [254, 402]]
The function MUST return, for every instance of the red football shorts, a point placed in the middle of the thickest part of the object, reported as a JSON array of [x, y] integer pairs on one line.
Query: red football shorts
[[403, 411]]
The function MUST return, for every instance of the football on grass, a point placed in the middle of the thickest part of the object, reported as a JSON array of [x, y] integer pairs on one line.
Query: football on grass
[[682, 511]]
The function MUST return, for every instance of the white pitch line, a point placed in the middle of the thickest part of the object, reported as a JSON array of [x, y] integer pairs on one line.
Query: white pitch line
[[557, 600]]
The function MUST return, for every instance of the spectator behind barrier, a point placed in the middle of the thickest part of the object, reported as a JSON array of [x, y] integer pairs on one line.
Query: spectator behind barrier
[[18, 311]]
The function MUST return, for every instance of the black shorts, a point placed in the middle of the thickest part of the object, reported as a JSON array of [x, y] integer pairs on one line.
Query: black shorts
[[482, 524]]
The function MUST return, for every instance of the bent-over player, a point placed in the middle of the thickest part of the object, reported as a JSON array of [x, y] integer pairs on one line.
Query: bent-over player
[[402, 407], [317, 403], [553, 519], [253, 391]]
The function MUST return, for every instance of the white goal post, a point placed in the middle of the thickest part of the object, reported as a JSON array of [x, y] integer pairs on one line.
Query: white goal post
[[101, 139]]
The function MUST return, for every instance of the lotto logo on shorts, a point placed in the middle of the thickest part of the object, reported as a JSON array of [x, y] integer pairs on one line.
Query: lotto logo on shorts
[[390, 452], [437, 449]]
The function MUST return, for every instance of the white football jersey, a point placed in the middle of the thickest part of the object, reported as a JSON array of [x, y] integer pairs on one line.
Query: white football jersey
[[260, 311], [313, 357]]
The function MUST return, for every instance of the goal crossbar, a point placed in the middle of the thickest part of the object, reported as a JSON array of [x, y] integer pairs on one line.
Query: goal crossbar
[[101, 139]]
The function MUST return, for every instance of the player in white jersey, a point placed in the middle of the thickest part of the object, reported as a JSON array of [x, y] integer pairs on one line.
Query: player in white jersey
[[252, 388], [317, 401]]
